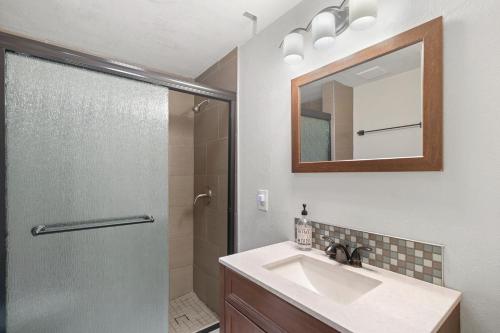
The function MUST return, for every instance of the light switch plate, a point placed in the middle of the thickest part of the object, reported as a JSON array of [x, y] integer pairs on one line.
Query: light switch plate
[[263, 200]]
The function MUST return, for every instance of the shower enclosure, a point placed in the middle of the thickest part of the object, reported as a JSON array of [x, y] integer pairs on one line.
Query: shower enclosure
[[74, 140], [198, 151], [86, 185]]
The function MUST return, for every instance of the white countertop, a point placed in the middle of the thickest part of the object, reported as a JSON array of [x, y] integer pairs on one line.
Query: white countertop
[[398, 304]]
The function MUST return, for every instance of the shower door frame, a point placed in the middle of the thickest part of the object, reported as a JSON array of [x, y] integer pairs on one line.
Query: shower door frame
[[21, 45]]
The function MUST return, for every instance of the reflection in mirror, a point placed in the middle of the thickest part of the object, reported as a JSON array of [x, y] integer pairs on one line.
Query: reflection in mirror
[[369, 111]]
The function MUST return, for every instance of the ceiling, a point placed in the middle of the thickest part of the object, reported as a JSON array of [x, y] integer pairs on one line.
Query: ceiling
[[183, 37], [403, 60]]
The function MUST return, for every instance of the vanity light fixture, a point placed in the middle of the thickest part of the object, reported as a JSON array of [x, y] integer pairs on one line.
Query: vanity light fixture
[[323, 30], [362, 14], [293, 47], [327, 24]]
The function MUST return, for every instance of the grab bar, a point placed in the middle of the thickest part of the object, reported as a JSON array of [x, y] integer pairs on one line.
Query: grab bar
[[93, 224]]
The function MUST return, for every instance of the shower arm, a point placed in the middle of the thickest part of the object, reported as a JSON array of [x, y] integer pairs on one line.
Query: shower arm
[[197, 108]]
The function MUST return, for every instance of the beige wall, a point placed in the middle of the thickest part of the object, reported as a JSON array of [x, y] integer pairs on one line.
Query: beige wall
[[223, 74], [337, 100], [181, 178], [211, 170], [342, 121], [315, 105], [393, 101]]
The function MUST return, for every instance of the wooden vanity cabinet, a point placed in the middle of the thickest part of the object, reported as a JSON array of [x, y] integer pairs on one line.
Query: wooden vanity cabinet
[[236, 322], [249, 308]]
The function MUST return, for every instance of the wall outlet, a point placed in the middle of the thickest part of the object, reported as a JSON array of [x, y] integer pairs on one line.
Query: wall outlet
[[263, 200]]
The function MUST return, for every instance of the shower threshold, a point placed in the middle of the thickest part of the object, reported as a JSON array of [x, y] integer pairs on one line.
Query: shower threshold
[[188, 314]]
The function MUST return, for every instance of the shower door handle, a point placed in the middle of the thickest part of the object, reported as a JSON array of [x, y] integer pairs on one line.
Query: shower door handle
[[204, 195]]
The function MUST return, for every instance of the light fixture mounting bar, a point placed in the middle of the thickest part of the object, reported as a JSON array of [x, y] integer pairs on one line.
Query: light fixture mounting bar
[[341, 13], [327, 24]]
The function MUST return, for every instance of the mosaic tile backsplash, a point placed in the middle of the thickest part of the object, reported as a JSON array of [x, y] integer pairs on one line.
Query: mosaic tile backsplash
[[415, 259]]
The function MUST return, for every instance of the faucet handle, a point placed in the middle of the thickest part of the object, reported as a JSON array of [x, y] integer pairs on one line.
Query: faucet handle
[[356, 257], [330, 249]]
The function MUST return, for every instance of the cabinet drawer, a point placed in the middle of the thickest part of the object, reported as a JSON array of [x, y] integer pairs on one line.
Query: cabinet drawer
[[267, 311], [235, 322]]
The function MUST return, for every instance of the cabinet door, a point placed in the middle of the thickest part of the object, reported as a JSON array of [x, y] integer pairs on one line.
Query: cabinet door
[[238, 323]]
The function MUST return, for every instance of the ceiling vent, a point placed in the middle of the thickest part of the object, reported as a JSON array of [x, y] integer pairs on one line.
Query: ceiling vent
[[372, 73]]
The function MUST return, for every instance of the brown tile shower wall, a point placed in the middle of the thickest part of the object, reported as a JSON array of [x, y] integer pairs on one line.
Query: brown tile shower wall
[[223, 74], [181, 179], [415, 259], [211, 170]]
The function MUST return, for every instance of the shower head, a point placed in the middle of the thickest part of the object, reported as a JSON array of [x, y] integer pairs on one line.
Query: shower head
[[197, 108]]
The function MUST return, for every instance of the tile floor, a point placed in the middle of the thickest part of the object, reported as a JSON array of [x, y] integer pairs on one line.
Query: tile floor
[[187, 314]]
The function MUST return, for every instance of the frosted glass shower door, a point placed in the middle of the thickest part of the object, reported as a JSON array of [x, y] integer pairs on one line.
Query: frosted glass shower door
[[83, 145], [316, 139]]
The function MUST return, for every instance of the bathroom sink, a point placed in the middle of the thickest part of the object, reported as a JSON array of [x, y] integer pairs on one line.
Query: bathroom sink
[[333, 281]]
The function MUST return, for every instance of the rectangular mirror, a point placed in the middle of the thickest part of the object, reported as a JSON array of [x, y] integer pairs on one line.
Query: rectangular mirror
[[377, 110], [369, 111]]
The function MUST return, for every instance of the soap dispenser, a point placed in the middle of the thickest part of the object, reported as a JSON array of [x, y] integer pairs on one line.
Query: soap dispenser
[[304, 231]]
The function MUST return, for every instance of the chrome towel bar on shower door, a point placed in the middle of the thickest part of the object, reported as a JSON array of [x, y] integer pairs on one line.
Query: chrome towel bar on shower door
[[93, 224]]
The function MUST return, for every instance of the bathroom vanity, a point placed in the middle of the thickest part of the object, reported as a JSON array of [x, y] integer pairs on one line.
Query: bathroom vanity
[[278, 288]]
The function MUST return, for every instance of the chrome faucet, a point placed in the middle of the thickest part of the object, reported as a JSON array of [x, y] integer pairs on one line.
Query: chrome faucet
[[353, 259]]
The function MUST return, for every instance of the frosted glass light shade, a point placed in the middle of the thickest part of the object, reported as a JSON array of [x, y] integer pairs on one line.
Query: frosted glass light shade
[[293, 48], [323, 30], [362, 13]]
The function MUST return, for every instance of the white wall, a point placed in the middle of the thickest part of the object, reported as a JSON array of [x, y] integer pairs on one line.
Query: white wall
[[458, 207], [392, 101]]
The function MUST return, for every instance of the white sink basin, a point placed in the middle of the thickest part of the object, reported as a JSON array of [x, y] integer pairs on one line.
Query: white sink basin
[[329, 280]]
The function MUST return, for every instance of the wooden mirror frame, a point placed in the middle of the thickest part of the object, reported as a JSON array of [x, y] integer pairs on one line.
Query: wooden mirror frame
[[431, 36]]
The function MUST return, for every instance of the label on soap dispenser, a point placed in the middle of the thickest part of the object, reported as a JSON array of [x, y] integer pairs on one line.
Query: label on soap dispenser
[[304, 236]]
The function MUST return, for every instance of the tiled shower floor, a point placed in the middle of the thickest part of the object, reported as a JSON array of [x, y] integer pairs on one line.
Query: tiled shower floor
[[187, 314]]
